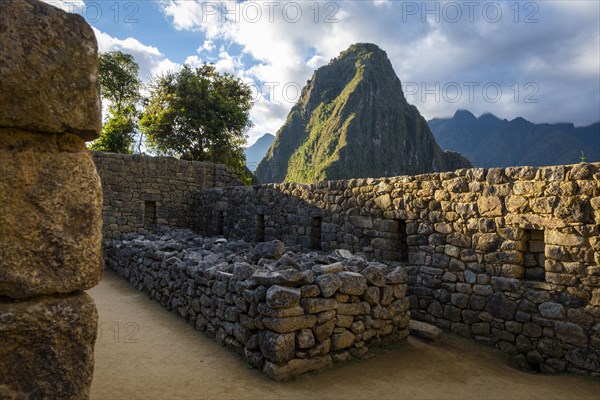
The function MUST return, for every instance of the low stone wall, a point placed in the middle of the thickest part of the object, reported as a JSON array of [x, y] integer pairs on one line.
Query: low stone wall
[[143, 192], [285, 313], [509, 257]]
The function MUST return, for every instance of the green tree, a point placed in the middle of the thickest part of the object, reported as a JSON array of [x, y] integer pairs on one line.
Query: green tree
[[199, 114], [120, 85], [119, 82], [117, 134]]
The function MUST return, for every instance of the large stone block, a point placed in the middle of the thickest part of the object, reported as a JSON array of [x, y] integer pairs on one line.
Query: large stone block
[[317, 305], [282, 297], [571, 333], [352, 283], [342, 340], [50, 215], [425, 331], [47, 347], [502, 307], [278, 348], [48, 70], [290, 324], [584, 359], [296, 367], [329, 284]]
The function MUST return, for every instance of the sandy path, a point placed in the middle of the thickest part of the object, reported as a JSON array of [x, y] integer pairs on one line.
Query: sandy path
[[156, 355]]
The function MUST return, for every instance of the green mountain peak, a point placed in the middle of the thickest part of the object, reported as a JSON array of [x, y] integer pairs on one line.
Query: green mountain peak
[[352, 121]]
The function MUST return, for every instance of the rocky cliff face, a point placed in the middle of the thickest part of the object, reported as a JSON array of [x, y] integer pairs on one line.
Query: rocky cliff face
[[353, 121]]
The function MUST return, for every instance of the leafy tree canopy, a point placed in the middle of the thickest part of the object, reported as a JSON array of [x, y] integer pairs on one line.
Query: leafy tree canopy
[[120, 85], [119, 80], [199, 114], [116, 134]]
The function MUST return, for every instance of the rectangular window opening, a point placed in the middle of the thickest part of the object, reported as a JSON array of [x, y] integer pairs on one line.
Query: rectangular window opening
[[402, 241], [220, 222], [260, 228], [534, 257], [150, 213], [315, 233], [395, 245]]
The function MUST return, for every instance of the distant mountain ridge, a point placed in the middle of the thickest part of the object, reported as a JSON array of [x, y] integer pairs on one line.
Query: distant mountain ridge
[[353, 121], [489, 141], [256, 152]]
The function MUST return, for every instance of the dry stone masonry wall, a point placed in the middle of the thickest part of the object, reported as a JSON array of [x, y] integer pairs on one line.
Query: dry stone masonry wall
[[284, 312], [143, 192], [509, 257], [50, 202]]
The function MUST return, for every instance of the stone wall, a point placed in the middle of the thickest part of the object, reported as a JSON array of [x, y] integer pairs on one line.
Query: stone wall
[[509, 257], [143, 192], [50, 202], [285, 313]]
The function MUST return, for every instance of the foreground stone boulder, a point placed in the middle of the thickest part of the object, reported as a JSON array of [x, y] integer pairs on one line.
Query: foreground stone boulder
[[50, 202], [49, 70], [47, 348]]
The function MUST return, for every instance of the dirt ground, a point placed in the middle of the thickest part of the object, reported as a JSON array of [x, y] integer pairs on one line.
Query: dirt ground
[[146, 352]]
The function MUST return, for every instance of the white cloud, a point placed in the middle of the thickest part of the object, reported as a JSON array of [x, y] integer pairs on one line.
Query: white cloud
[[278, 46], [187, 15], [194, 61], [208, 46], [379, 3], [149, 58], [107, 43], [164, 66], [559, 54], [227, 63], [316, 61], [265, 115]]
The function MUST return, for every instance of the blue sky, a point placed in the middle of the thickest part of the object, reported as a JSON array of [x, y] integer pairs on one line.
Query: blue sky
[[535, 59]]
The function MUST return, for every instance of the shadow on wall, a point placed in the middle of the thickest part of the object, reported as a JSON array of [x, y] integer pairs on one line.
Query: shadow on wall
[[143, 192], [263, 213], [508, 256]]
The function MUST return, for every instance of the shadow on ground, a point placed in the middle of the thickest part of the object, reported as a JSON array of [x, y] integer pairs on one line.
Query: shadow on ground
[[146, 352]]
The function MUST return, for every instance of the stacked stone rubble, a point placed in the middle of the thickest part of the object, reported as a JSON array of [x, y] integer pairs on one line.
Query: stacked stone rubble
[[509, 257], [50, 202], [295, 315]]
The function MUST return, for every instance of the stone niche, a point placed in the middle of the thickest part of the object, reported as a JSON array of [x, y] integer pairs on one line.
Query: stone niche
[[50, 202], [286, 313]]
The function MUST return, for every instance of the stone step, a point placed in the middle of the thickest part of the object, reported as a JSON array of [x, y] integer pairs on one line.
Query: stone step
[[424, 330]]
